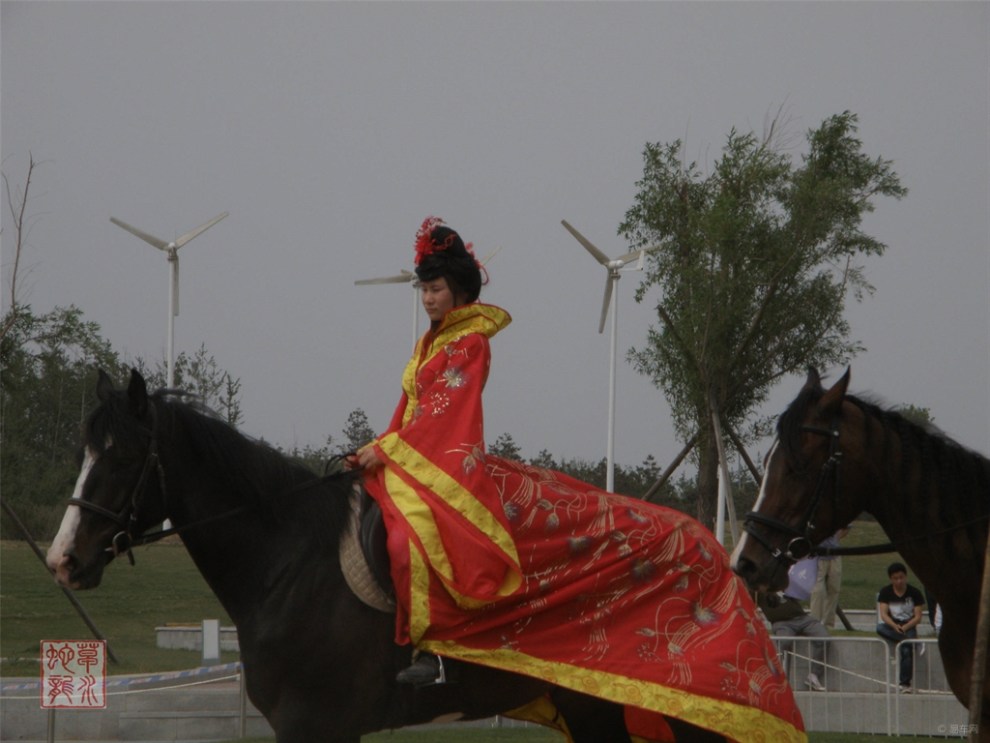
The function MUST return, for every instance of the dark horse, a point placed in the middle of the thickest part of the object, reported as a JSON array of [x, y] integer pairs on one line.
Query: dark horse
[[836, 456], [319, 664]]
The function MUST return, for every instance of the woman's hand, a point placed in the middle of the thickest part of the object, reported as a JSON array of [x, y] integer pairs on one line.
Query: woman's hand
[[367, 458]]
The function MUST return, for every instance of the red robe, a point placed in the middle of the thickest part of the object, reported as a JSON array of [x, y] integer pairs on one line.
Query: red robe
[[529, 570]]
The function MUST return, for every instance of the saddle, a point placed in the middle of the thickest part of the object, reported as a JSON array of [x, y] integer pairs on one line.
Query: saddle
[[364, 553]]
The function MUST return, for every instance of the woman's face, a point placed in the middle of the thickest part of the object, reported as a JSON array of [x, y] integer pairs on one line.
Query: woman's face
[[437, 298]]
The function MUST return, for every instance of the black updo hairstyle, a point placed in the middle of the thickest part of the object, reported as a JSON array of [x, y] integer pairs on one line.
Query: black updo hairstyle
[[440, 252]]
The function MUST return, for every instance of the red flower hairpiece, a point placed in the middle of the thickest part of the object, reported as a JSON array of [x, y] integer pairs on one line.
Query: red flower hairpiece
[[426, 246], [424, 238]]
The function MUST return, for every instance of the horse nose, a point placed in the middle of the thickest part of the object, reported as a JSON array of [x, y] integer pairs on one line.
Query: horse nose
[[744, 568], [62, 568]]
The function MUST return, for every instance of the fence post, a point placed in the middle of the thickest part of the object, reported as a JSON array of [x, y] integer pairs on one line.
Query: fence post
[[243, 706]]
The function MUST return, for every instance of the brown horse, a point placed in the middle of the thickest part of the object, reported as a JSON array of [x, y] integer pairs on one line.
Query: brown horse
[[319, 664], [836, 456]]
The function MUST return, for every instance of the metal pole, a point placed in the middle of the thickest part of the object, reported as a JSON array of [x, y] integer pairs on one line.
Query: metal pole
[[610, 448], [243, 704], [978, 674], [725, 503], [51, 725], [415, 328], [68, 593], [173, 260], [665, 475]]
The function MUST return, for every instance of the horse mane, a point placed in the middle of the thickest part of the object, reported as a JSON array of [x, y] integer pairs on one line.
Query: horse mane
[[943, 463], [264, 477]]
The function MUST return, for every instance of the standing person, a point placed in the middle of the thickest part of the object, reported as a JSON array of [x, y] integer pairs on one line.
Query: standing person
[[825, 595], [528, 570], [900, 607], [788, 618]]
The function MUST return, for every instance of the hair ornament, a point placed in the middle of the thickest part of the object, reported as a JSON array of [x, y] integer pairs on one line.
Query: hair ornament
[[426, 245], [424, 238]]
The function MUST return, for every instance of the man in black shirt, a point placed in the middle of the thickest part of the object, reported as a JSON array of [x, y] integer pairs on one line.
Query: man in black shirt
[[899, 608]]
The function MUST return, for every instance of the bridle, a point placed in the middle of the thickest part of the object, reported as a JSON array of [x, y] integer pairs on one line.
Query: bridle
[[800, 546], [125, 540], [126, 518]]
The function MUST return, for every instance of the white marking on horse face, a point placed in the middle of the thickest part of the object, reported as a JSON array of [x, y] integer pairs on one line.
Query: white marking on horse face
[[65, 539], [733, 560]]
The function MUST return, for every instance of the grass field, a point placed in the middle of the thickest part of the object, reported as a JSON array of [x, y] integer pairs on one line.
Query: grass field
[[165, 587], [543, 735]]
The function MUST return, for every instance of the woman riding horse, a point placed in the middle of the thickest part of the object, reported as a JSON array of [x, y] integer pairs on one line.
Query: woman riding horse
[[529, 570]]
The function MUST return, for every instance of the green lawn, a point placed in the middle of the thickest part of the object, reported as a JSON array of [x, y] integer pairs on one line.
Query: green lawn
[[543, 735], [165, 587]]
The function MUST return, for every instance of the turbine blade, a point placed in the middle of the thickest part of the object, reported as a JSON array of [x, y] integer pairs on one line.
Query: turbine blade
[[198, 231], [629, 257], [158, 243], [609, 283], [484, 261], [403, 277], [599, 255]]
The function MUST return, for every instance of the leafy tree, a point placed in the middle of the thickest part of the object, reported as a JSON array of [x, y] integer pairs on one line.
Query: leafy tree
[[357, 432], [915, 414], [200, 375], [544, 459], [754, 262], [506, 447], [315, 458], [49, 367]]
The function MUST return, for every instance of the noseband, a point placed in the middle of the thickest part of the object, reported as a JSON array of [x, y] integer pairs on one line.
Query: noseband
[[800, 545], [126, 518]]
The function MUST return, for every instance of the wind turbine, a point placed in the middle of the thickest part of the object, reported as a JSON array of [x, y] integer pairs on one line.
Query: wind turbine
[[409, 277], [403, 277], [172, 250], [614, 267]]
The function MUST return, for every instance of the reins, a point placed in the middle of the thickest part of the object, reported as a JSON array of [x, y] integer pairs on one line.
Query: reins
[[124, 541], [800, 546]]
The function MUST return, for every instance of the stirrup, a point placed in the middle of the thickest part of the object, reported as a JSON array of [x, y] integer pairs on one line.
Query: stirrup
[[426, 670]]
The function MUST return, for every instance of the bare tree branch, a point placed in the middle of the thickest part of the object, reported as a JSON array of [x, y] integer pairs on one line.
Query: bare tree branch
[[17, 212]]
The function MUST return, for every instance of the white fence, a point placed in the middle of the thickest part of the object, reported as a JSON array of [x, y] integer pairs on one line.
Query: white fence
[[862, 694], [860, 677]]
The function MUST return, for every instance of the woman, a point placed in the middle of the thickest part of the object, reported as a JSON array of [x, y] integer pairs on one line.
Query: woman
[[531, 571], [427, 470]]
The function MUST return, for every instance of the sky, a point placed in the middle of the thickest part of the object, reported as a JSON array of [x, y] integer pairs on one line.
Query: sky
[[330, 130]]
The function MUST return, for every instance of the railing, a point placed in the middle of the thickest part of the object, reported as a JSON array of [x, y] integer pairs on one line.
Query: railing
[[861, 681]]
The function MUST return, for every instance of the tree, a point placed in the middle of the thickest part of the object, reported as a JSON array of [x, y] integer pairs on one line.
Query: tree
[[49, 367], [18, 213], [357, 432], [506, 447], [200, 375], [754, 263]]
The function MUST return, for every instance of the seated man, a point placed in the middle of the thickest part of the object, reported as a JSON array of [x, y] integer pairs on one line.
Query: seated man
[[899, 611], [788, 618]]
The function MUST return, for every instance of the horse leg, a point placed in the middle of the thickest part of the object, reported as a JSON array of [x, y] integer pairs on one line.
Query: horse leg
[[685, 732], [589, 719]]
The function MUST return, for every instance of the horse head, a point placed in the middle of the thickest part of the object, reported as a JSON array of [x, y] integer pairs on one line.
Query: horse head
[[801, 500], [118, 493]]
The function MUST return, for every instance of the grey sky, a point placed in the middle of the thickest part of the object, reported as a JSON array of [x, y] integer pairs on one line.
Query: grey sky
[[330, 130]]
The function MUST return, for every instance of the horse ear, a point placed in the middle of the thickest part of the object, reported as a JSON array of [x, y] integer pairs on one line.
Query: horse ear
[[814, 380], [104, 386], [137, 393], [831, 401]]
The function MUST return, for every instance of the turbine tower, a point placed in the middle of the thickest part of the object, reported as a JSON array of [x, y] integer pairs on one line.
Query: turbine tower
[[613, 268], [404, 277], [172, 251]]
